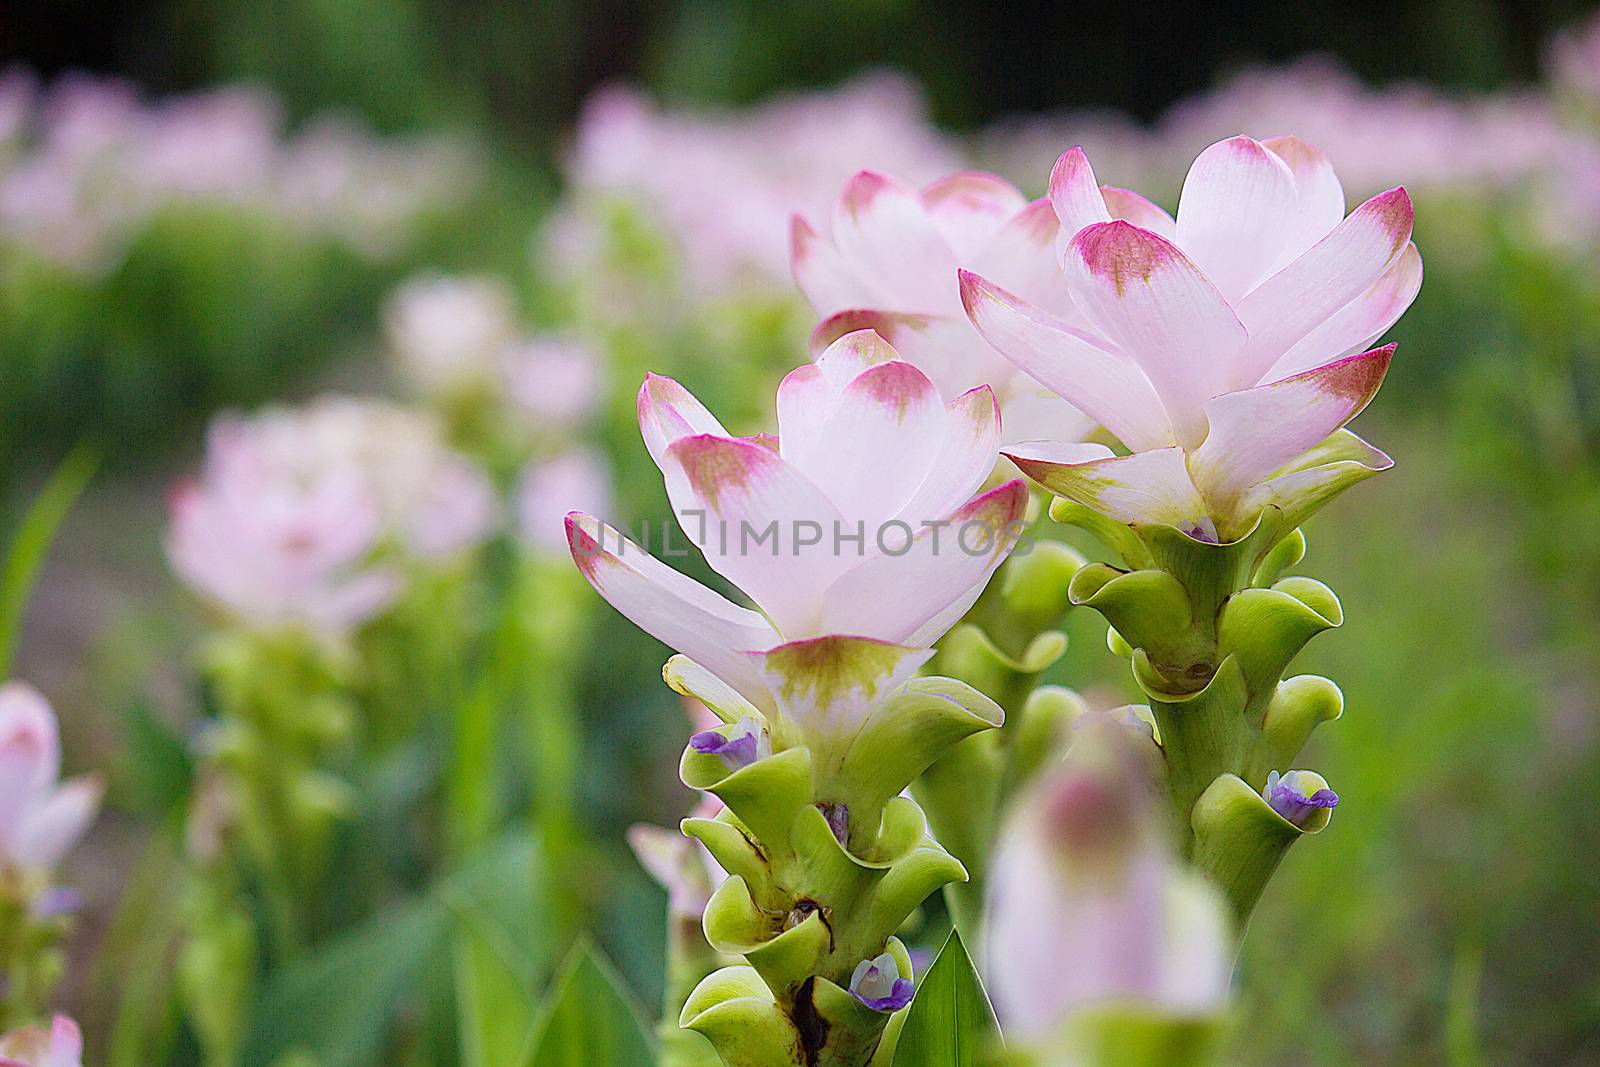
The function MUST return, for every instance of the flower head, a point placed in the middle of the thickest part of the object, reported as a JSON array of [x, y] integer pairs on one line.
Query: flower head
[[1085, 873], [878, 984], [59, 1046], [40, 817], [283, 523], [856, 531], [1298, 795], [888, 260], [1225, 349]]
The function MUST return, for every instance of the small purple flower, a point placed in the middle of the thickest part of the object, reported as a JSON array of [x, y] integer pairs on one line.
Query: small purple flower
[[739, 747], [877, 984], [1298, 794]]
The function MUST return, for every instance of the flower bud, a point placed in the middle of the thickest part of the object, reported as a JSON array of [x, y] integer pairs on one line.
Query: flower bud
[[1298, 795], [877, 983]]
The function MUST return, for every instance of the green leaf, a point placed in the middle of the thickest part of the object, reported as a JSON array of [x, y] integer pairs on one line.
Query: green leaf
[[950, 1022], [159, 760], [589, 1020], [33, 538], [494, 998], [337, 1004]]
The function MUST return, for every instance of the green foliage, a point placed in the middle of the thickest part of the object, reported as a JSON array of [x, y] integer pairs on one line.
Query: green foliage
[[32, 541], [589, 1019], [950, 1022]]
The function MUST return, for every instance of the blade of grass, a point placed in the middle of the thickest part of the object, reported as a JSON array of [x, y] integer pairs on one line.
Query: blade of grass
[[32, 541]]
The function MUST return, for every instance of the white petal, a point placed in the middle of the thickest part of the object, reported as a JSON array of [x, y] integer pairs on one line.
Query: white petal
[[49, 829], [1142, 487], [760, 523], [1237, 204], [882, 230], [1106, 387], [1361, 323], [1256, 431], [1336, 270], [1137, 289], [677, 611], [826, 279], [969, 207], [668, 411]]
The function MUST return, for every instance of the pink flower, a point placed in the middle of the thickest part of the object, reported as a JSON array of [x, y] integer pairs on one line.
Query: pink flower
[[858, 521], [60, 1046], [278, 547], [1222, 349], [889, 258], [40, 817], [1090, 907], [450, 335], [549, 490]]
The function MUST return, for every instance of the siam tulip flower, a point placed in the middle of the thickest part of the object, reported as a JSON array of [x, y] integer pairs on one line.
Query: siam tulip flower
[[855, 532], [1298, 795], [276, 549], [1226, 350], [434, 502], [549, 489], [450, 335], [59, 1046], [888, 260], [220, 146], [40, 817], [1090, 909], [879, 985]]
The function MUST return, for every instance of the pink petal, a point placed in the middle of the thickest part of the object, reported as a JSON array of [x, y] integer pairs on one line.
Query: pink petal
[[1021, 257], [827, 281], [937, 570], [1129, 206], [677, 611], [1237, 202], [968, 207], [852, 353], [1286, 307], [882, 230], [875, 443], [1145, 295], [50, 829], [1142, 487], [752, 514], [967, 455], [945, 349], [1256, 431], [1109, 389], [668, 411], [1319, 197], [1359, 324], [30, 744], [1075, 194]]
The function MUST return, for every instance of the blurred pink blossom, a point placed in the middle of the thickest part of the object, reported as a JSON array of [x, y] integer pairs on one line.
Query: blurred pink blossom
[[1084, 873], [41, 818], [59, 1046], [723, 184], [578, 480]]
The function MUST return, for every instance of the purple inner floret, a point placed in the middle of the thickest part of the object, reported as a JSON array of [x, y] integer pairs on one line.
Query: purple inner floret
[[898, 997], [736, 752], [1295, 807]]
